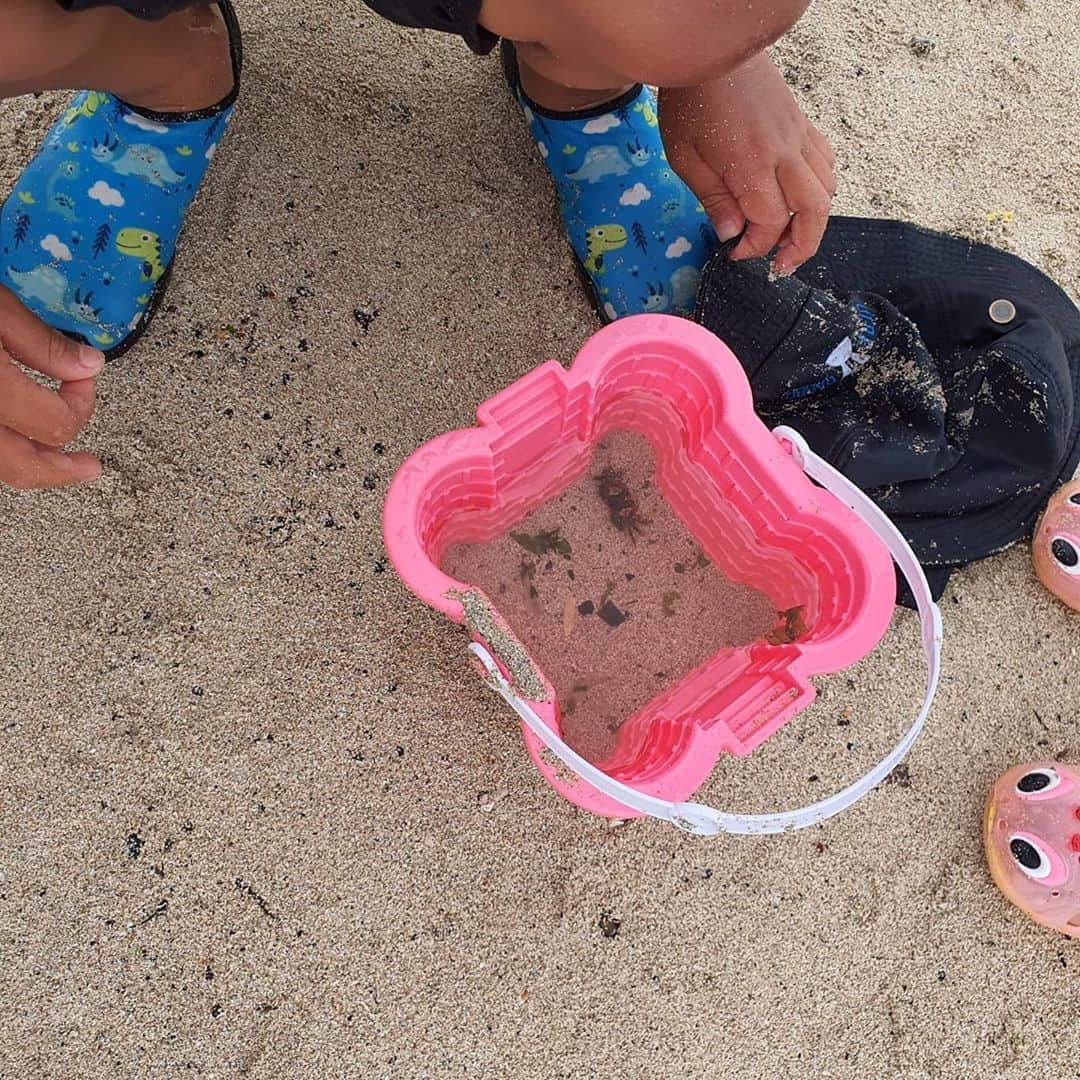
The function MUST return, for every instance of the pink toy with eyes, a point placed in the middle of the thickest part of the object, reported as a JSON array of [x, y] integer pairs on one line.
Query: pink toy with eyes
[[1056, 548], [1032, 837]]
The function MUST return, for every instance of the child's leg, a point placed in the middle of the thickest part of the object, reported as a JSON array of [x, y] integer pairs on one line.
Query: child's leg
[[555, 97], [87, 235], [639, 233], [177, 64]]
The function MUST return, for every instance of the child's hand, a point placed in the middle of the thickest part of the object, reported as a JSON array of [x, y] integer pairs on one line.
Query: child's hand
[[34, 420], [746, 150]]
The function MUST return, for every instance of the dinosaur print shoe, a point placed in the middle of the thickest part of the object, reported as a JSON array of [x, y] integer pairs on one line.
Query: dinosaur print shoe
[[87, 236], [639, 233]]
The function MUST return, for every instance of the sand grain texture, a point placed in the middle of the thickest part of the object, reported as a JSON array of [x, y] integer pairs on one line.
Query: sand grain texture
[[260, 818]]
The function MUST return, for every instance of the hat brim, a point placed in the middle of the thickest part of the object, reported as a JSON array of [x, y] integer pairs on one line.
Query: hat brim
[[886, 257]]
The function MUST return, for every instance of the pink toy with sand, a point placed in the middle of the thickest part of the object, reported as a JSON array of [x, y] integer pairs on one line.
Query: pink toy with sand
[[626, 541], [1055, 549], [1032, 837]]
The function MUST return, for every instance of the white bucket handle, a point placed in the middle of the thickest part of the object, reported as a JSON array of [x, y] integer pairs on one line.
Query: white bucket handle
[[703, 820]]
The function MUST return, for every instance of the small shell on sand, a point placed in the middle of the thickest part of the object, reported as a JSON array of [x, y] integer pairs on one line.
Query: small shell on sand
[[569, 617]]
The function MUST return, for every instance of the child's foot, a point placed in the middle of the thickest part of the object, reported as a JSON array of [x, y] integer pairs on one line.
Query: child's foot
[[638, 231], [88, 234]]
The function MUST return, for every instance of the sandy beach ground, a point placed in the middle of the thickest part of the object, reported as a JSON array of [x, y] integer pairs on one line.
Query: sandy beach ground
[[257, 816]]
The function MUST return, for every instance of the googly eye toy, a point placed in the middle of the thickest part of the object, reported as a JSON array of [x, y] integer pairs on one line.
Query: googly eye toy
[[1032, 838], [1056, 548]]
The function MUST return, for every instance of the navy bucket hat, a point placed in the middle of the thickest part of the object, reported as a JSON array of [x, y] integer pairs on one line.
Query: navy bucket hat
[[940, 375]]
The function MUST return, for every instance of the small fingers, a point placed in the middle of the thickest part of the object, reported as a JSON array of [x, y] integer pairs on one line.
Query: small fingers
[[767, 216], [43, 415], [809, 202], [821, 144], [711, 191], [25, 464], [80, 398], [37, 345], [823, 169]]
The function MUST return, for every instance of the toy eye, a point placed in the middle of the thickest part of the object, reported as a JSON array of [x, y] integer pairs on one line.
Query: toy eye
[[1065, 554], [1031, 859], [1038, 780]]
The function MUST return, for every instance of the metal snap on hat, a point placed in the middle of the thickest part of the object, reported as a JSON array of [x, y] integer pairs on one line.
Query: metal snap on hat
[[1003, 311]]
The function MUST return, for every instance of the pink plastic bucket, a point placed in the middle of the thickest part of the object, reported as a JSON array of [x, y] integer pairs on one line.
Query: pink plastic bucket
[[736, 487]]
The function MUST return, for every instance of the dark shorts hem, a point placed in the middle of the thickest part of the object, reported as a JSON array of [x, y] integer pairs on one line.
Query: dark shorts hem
[[142, 9], [460, 18]]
